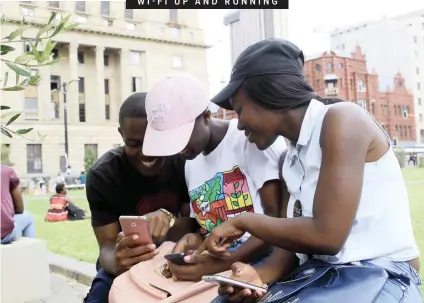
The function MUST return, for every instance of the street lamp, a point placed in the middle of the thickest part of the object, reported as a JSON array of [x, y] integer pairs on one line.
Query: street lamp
[[65, 86]]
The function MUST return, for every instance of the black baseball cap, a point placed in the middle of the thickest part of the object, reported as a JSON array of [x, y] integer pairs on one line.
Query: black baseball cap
[[267, 57]]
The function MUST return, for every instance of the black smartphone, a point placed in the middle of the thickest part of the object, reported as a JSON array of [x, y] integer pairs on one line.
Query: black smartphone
[[177, 259]]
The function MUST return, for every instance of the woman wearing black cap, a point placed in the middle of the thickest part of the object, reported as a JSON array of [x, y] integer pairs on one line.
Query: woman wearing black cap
[[346, 212]]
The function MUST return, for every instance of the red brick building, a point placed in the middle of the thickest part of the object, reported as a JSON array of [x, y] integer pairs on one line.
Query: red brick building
[[348, 79]]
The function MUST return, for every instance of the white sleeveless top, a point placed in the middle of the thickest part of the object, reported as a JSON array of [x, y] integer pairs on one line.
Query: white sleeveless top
[[382, 227]]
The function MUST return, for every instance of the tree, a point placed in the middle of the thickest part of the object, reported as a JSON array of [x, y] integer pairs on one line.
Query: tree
[[90, 157], [41, 54]]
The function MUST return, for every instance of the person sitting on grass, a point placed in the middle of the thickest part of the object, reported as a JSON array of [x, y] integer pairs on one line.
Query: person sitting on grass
[[61, 207], [125, 182], [225, 174], [15, 223], [346, 201]]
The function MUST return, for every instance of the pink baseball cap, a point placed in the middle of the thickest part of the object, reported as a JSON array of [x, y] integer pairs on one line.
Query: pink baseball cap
[[172, 106]]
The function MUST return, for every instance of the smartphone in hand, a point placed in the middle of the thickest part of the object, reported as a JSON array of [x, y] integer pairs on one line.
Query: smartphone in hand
[[223, 281], [177, 259], [136, 225]]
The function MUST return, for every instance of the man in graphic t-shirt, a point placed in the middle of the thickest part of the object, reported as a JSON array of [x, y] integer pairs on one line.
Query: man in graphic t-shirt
[[126, 182], [225, 175]]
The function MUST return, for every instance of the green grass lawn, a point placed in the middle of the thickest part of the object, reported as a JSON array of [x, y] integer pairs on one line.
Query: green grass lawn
[[75, 239]]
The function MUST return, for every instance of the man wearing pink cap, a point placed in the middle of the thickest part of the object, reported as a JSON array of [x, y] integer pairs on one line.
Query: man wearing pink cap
[[225, 174]]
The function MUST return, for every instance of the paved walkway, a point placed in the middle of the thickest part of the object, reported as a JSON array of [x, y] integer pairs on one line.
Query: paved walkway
[[64, 290]]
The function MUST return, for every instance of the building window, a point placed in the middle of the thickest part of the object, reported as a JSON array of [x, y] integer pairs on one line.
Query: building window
[[27, 11], [373, 108], [422, 135], [398, 111], [107, 22], [81, 57], [415, 39], [27, 46], [54, 4], [135, 57], [361, 86], [105, 8], [405, 131], [318, 67], [81, 85], [329, 66], [31, 106], [173, 16], [129, 14], [136, 84], [34, 159], [395, 110], [131, 26], [106, 59], [82, 19], [419, 101], [81, 112], [418, 85], [177, 62], [417, 70], [106, 86], [107, 112], [362, 103], [340, 66], [386, 110], [92, 147], [80, 6], [318, 84]]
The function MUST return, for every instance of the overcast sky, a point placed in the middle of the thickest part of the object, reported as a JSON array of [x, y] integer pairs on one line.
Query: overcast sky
[[309, 22]]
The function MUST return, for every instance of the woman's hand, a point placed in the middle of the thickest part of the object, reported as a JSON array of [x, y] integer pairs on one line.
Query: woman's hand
[[221, 237], [244, 273]]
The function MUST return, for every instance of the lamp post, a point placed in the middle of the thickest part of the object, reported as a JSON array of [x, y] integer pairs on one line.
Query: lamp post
[[65, 86]]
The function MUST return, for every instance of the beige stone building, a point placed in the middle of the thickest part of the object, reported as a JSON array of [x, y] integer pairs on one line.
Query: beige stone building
[[113, 52]]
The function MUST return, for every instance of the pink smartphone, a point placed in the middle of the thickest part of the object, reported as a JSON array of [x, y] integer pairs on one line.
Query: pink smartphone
[[136, 225]]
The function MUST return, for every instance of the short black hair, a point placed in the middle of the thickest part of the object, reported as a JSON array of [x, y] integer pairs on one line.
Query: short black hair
[[59, 187], [133, 106]]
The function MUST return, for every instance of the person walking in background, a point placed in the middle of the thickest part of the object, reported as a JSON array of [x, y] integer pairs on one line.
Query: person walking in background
[[83, 177], [14, 221]]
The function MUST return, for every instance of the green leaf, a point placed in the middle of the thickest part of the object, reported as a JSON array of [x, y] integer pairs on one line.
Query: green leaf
[[24, 131], [17, 32], [236, 185], [6, 76], [9, 114], [45, 63], [12, 88], [71, 26], [5, 132], [42, 31], [235, 203], [18, 70], [24, 82], [48, 50], [233, 195], [13, 119], [34, 79], [245, 196], [52, 17], [4, 49], [239, 194], [24, 58], [3, 107]]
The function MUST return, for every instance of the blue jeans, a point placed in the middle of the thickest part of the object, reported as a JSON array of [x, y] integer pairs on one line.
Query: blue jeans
[[24, 227], [394, 291]]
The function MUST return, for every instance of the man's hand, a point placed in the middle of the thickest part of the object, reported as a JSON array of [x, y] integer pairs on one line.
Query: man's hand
[[244, 273], [205, 265], [189, 242], [128, 252], [159, 224]]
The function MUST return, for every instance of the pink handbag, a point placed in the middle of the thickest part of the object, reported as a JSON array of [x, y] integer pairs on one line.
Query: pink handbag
[[151, 282]]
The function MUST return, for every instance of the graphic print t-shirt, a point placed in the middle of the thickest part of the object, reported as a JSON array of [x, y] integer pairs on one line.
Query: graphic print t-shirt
[[226, 182]]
